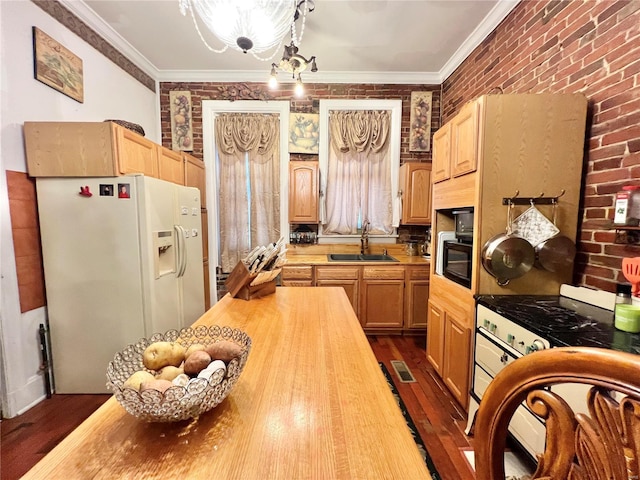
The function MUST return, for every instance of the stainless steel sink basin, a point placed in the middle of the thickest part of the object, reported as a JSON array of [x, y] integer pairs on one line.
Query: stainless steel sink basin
[[357, 257]]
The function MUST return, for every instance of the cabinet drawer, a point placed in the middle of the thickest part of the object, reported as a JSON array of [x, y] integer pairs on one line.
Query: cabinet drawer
[[298, 272], [418, 273], [337, 273], [391, 273]]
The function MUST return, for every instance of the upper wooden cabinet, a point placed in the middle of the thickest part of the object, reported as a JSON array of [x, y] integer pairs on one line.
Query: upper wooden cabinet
[[441, 154], [455, 145], [415, 181], [87, 149], [464, 140], [303, 192], [105, 149], [194, 175], [170, 165]]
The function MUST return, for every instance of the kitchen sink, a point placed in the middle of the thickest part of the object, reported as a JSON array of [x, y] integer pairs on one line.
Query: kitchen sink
[[358, 257]]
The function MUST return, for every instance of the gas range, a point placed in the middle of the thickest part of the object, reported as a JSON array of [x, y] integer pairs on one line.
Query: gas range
[[563, 321]]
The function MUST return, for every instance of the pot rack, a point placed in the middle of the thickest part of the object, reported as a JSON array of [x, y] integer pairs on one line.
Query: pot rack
[[539, 200]]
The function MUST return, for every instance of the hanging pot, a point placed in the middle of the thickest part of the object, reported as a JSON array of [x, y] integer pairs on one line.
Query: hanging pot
[[506, 256], [556, 254]]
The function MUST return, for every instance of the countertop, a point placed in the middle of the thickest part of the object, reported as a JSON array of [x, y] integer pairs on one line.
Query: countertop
[[322, 259], [563, 321], [312, 402]]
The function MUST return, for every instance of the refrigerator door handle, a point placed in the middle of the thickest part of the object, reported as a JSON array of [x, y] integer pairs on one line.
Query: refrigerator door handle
[[181, 240]]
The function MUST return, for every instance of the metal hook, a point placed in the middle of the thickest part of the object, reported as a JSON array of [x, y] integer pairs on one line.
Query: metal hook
[[562, 192]]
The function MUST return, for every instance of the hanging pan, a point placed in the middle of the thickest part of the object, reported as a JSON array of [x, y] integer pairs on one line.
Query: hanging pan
[[556, 254], [507, 256]]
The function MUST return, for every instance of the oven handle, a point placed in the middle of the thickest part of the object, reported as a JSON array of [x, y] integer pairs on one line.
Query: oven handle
[[498, 342]]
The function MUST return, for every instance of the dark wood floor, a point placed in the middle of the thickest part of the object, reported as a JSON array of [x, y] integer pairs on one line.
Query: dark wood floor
[[439, 419]]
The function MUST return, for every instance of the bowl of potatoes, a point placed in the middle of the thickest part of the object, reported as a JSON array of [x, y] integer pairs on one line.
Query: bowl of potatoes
[[179, 374]]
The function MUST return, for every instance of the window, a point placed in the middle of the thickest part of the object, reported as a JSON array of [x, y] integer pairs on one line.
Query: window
[[245, 179], [359, 182]]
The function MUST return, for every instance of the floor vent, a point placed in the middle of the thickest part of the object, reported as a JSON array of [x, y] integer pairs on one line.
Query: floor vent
[[403, 372]]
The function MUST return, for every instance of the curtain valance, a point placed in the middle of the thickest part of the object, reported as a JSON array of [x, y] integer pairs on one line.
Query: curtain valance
[[359, 130], [247, 132]]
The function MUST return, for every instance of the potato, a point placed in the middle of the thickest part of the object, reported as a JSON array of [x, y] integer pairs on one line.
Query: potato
[[196, 362], [137, 378], [169, 373], [160, 385], [161, 354], [224, 350], [193, 348]]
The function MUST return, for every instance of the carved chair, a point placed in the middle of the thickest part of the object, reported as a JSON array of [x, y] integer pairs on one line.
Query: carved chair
[[605, 444]]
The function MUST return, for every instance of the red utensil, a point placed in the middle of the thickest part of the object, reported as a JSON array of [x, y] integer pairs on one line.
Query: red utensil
[[631, 271]]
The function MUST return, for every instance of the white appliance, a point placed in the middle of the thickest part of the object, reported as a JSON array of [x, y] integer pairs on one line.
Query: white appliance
[[442, 237], [122, 260]]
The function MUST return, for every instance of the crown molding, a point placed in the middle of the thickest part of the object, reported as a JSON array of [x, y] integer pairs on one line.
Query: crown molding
[[426, 78], [102, 28], [488, 25], [491, 21]]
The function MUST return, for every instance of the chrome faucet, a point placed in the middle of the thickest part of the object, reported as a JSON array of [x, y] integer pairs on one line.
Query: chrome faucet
[[364, 239]]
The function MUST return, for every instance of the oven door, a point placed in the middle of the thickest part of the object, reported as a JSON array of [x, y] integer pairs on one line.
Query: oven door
[[491, 357]]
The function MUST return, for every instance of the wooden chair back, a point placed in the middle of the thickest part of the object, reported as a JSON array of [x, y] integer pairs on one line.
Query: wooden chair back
[[605, 443]]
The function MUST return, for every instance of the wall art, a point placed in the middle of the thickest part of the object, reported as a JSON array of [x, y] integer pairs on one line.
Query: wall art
[[56, 66], [304, 132], [181, 121], [420, 133]]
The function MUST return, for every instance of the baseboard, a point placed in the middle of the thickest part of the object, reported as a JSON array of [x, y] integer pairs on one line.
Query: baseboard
[[21, 400]]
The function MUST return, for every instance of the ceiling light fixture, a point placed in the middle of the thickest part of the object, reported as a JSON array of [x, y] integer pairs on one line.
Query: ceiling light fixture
[[254, 26], [292, 62]]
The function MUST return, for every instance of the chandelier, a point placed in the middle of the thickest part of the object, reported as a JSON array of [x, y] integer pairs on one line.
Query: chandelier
[[292, 62], [253, 26]]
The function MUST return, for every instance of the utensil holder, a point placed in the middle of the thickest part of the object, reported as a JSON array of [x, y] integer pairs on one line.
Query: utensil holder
[[245, 285]]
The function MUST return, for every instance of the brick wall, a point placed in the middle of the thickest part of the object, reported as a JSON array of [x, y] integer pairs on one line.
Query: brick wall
[[591, 47], [308, 104]]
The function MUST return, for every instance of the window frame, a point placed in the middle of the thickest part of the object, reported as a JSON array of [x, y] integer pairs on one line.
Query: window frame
[[209, 109], [392, 105]]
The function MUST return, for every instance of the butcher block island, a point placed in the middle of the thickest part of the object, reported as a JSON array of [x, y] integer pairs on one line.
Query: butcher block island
[[312, 402]]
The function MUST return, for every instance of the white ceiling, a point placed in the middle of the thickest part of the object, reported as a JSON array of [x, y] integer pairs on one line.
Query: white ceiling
[[359, 41]]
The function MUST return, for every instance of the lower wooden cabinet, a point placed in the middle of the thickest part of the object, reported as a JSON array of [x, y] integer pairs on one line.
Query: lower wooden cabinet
[[449, 335], [435, 337], [297, 276], [416, 284], [457, 361], [386, 298], [382, 302], [345, 277]]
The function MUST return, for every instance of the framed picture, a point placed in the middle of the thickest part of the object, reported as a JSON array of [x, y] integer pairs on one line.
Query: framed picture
[[420, 132], [56, 66], [181, 122], [304, 132]]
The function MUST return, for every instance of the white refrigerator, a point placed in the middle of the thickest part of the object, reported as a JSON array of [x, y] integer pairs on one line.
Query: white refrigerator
[[122, 260]]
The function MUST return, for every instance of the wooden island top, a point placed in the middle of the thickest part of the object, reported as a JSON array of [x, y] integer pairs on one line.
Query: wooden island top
[[312, 402]]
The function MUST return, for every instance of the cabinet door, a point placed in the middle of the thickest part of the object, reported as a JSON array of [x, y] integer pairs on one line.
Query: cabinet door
[[170, 165], [136, 154], [457, 359], [416, 298], [464, 135], [435, 337], [382, 302], [442, 154], [194, 176], [416, 195], [303, 192], [341, 276]]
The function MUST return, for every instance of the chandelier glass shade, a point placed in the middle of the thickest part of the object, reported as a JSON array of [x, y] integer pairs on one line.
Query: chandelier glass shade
[[254, 26]]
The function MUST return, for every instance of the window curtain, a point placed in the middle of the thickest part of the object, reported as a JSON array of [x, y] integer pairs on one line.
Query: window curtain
[[248, 149], [358, 186]]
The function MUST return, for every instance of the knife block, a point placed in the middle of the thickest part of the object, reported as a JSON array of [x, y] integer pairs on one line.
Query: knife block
[[239, 283]]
